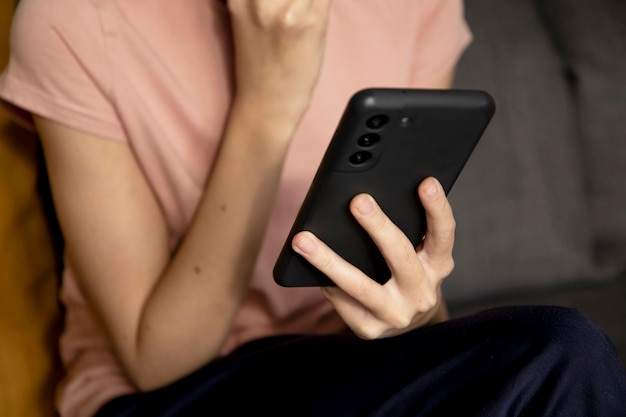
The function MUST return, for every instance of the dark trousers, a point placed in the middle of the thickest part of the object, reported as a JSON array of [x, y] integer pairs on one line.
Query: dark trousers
[[521, 361]]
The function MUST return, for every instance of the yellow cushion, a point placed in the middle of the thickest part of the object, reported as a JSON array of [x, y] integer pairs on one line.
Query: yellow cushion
[[29, 311]]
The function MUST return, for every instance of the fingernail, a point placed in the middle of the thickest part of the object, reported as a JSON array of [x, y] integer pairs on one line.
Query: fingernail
[[305, 244], [364, 205], [431, 188]]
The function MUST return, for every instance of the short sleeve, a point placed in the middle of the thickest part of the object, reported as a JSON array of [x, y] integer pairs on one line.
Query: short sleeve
[[58, 67], [442, 37]]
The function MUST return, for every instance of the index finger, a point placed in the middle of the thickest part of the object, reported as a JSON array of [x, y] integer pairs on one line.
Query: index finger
[[345, 275]]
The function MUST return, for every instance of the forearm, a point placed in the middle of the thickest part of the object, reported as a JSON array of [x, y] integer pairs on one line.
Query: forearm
[[201, 288]]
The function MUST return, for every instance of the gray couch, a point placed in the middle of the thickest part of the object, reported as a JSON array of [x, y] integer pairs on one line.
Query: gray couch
[[541, 205]]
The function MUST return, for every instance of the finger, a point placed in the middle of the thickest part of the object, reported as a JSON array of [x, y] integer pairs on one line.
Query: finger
[[345, 275], [393, 244], [439, 239]]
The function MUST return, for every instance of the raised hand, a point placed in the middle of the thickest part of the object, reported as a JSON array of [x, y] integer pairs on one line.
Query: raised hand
[[279, 48]]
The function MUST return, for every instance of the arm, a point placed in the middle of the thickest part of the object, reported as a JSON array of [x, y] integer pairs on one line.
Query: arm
[[168, 313]]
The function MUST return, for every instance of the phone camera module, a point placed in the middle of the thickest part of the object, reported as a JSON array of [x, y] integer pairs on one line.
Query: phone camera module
[[368, 140], [360, 158], [377, 122]]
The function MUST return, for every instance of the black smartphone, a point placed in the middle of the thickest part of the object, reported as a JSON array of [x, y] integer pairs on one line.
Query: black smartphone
[[386, 143]]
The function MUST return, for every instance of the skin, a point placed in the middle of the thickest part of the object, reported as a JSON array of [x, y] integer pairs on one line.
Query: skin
[[168, 313]]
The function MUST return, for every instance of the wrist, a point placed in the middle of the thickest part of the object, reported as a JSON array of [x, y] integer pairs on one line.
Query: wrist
[[271, 117]]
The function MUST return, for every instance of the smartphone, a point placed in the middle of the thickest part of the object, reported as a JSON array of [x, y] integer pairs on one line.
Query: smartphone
[[386, 143]]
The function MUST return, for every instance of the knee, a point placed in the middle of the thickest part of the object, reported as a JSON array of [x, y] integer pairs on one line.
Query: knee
[[566, 334], [562, 361]]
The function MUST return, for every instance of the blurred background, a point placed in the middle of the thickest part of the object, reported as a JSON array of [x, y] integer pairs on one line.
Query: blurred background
[[541, 205]]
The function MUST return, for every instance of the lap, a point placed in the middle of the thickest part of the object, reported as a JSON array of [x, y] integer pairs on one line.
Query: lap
[[492, 363]]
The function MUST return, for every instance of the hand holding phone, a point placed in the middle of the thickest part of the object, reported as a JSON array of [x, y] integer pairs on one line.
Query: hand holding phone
[[412, 295], [387, 142]]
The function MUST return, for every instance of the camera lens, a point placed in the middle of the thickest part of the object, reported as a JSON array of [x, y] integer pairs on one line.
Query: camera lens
[[368, 139], [377, 122], [359, 158]]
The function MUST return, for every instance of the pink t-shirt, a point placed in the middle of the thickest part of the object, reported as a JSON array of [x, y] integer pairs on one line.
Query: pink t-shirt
[[157, 75]]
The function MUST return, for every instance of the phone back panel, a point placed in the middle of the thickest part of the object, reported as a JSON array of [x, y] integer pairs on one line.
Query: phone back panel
[[387, 142]]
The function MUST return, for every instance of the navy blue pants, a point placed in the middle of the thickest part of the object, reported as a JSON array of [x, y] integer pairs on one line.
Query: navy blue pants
[[521, 361]]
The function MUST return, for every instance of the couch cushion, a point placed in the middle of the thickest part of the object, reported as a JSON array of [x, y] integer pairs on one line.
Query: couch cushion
[[519, 204], [592, 36], [29, 311]]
